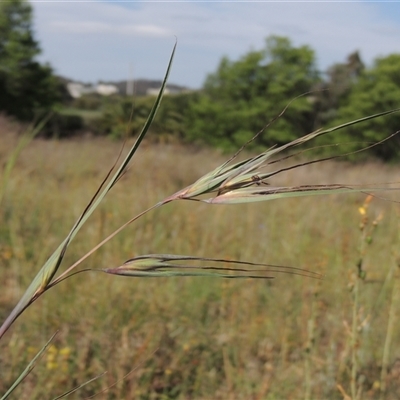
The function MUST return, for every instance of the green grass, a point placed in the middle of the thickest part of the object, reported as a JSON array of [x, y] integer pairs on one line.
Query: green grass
[[191, 338]]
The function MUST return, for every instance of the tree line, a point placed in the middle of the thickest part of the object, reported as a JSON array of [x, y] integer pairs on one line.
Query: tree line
[[235, 102], [242, 96]]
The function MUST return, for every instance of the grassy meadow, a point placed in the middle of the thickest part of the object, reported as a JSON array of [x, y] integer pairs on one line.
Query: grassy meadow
[[198, 338]]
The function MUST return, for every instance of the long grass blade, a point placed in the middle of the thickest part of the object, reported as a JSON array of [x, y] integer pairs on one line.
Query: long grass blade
[[75, 389], [42, 280], [28, 369], [162, 265], [25, 139], [251, 194], [236, 178]]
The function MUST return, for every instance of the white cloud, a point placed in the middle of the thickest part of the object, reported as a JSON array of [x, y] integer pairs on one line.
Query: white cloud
[[98, 40], [98, 28], [78, 27]]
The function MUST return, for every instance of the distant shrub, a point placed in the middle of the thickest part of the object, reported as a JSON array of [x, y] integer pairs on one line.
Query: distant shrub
[[91, 101], [126, 116], [63, 126]]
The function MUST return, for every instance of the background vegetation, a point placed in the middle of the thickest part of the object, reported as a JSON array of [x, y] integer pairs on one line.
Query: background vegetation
[[241, 96], [26, 87], [234, 103]]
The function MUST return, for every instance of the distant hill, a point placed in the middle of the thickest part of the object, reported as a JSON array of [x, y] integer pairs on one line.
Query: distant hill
[[141, 87]]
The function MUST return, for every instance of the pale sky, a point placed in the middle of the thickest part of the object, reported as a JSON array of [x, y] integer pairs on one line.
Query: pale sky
[[98, 40]]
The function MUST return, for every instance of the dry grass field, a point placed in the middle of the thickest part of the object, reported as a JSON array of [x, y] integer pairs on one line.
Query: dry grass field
[[198, 338]]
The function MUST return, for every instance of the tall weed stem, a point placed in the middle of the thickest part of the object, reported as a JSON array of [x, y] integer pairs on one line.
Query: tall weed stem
[[367, 229], [310, 343], [394, 303]]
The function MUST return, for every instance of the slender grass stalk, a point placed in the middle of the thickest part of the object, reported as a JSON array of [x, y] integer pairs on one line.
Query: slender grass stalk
[[28, 369], [24, 140], [354, 340], [360, 275], [343, 392], [75, 389], [310, 345]]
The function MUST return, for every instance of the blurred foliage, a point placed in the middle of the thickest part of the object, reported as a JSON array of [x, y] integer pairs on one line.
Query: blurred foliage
[[26, 87], [125, 116], [241, 96], [91, 101], [334, 89], [376, 89], [235, 102], [63, 126]]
